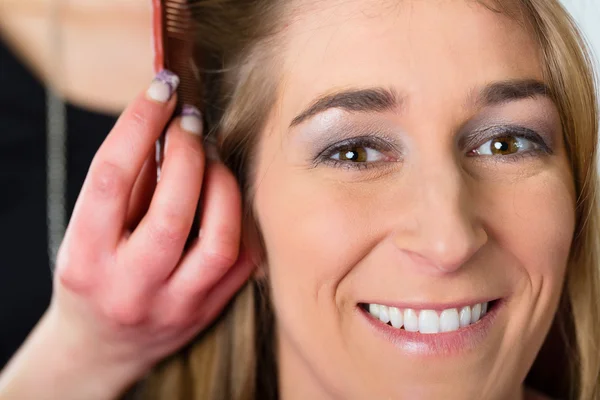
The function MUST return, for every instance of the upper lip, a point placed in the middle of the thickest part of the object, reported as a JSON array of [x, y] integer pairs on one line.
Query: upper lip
[[432, 306]]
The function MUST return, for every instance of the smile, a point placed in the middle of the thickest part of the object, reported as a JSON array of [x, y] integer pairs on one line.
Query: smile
[[428, 321], [433, 330]]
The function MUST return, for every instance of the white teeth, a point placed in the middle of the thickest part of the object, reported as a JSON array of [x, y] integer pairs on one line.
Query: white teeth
[[449, 320], [396, 317], [465, 316], [475, 313], [384, 315], [411, 320], [428, 321], [374, 310]]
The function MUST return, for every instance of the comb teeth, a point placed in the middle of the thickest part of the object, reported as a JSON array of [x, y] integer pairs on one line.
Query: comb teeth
[[180, 52], [178, 18]]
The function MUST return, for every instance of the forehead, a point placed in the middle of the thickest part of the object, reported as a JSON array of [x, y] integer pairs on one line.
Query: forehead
[[442, 48]]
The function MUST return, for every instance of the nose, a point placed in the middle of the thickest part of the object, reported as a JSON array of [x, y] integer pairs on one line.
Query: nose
[[445, 231]]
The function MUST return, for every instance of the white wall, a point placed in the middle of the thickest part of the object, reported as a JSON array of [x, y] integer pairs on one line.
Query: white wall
[[587, 14]]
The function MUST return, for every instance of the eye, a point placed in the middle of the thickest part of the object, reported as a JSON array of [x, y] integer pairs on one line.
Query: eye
[[505, 146], [357, 154], [360, 153]]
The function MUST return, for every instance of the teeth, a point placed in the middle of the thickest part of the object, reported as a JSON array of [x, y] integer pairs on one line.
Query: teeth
[[396, 317], [384, 315], [411, 320], [475, 313], [449, 320], [428, 321], [465, 316], [374, 310]]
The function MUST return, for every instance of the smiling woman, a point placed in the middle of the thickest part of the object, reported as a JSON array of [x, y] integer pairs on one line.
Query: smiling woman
[[419, 184], [420, 188]]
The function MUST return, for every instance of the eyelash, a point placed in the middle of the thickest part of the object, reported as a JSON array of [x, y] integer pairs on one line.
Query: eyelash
[[476, 141]]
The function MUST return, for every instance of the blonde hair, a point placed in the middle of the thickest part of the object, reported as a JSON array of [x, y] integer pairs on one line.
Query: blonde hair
[[234, 358]]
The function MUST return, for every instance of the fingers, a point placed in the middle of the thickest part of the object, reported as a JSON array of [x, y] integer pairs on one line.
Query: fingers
[[142, 192], [102, 206], [207, 303], [217, 247], [156, 245], [219, 295]]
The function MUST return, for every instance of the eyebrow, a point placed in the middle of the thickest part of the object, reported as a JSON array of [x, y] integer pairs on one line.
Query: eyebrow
[[379, 99], [505, 91], [359, 100]]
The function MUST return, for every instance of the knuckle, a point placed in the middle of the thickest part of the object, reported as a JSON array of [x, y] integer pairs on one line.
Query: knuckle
[[188, 151], [124, 312], [74, 276], [107, 180], [179, 319], [77, 280], [221, 260], [169, 229], [139, 118]]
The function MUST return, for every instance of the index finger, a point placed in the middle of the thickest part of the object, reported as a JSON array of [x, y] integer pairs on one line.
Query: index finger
[[102, 206]]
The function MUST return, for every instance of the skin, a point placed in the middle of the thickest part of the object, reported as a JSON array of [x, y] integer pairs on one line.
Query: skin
[[432, 223], [105, 53]]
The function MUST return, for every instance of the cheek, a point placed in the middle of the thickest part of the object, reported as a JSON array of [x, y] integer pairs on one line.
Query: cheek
[[314, 236], [532, 223], [309, 234], [534, 219]]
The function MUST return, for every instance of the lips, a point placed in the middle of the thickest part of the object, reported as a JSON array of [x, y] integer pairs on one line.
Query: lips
[[433, 331]]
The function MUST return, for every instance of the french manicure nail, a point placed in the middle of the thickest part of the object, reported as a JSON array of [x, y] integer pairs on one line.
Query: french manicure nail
[[191, 120], [163, 86]]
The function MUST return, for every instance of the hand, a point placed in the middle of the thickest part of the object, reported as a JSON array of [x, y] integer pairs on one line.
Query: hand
[[126, 292]]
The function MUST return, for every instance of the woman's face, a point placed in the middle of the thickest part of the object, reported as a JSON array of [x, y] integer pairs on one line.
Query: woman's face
[[413, 161]]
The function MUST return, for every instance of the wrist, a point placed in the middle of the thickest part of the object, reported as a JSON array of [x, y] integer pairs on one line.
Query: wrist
[[54, 363]]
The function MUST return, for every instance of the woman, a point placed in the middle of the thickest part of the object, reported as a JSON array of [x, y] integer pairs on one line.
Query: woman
[[419, 183]]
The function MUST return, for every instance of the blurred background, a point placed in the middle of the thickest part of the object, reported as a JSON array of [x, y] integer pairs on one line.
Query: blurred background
[[587, 15], [96, 55]]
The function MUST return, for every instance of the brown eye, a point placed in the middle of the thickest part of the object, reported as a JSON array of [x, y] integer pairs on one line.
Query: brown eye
[[353, 154], [504, 146], [357, 153]]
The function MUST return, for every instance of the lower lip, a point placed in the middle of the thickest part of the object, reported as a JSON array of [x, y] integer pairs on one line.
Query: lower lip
[[452, 343]]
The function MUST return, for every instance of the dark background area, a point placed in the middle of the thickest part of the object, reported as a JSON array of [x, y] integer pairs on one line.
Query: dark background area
[[25, 278]]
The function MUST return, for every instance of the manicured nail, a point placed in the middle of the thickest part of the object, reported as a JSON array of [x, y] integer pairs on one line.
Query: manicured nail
[[163, 86], [191, 120]]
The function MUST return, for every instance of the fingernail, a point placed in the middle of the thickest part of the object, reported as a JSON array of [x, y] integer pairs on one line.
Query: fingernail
[[191, 120], [163, 86]]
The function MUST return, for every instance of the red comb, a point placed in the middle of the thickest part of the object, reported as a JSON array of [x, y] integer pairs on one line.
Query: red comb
[[174, 48]]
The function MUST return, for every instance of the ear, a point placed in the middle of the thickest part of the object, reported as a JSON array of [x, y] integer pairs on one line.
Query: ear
[[253, 242]]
